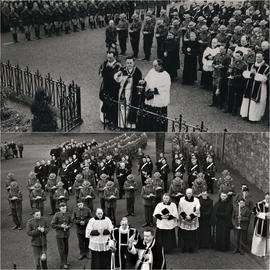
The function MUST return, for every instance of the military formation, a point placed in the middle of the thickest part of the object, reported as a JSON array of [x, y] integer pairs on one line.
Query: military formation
[[90, 170]]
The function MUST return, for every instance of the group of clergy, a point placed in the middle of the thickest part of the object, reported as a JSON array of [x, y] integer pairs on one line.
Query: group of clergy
[[229, 44]]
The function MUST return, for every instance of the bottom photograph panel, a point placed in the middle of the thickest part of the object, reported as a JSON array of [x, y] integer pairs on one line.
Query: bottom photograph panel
[[135, 201]]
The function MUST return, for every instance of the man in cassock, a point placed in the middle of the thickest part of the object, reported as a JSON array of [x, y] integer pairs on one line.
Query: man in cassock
[[121, 258], [222, 222], [166, 214], [255, 95], [129, 78], [109, 90], [150, 254], [98, 231], [189, 213], [205, 220], [261, 240]]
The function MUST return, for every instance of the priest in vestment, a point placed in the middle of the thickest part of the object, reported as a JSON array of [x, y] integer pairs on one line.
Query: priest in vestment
[[255, 95], [129, 78], [120, 236], [189, 213], [166, 214], [261, 239]]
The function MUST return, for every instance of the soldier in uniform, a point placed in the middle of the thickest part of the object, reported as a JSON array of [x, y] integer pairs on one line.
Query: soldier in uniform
[[50, 188], [78, 185], [148, 32], [164, 172], [57, 18], [74, 12], [222, 36], [177, 189], [15, 202], [82, 14], [92, 11], [62, 222], [111, 194], [209, 172], [193, 171], [144, 169], [48, 20], [230, 27], [134, 34], [66, 18], [32, 180], [158, 184], [256, 39], [81, 216], [110, 166], [130, 187], [247, 27], [26, 17], [204, 39], [38, 228], [264, 29], [122, 30], [100, 188], [60, 195], [236, 36], [236, 82], [14, 24], [38, 197], [87, 195], [214, 27], [148, 195], [178, 167]]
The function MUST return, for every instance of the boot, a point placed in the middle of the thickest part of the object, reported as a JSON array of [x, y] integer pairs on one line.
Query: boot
[[15, 37], [83, 25], [44, 264], [28, 36]]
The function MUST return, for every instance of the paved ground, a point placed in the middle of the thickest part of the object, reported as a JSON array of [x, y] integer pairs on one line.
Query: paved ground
[[16, 245], [78, 56]]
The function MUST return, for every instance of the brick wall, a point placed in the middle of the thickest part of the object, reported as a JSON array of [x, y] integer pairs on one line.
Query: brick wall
[[248, 153]]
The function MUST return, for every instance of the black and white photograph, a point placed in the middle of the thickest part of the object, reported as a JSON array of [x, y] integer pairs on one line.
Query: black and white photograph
[[135, 134], [135, 201]]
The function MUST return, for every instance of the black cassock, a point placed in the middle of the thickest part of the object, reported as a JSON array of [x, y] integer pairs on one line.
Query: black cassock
[[123, 259], [191, 51], [171, 61], [222, 219], [205, 222], [109, 91]]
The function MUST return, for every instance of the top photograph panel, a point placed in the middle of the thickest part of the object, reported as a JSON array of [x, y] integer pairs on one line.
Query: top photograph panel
[[115, 65]]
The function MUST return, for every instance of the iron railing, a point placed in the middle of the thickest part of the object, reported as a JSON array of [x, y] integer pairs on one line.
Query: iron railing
[[65, 98]]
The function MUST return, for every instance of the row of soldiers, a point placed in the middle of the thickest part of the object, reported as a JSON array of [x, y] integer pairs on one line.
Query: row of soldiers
[[11, 150], [57, 16]]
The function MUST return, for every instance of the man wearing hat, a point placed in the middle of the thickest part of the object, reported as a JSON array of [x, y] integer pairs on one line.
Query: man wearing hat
[[78, 185], [227, 187], [204, 38], [164, 17], [148, 33], [236, 37], [32, 180], [177, 189], [81, 216], [10, 179], [148, 194], [111, 194], [51, 187], [122, 30], [256, 39], [265, 30], [38, 228], [247, 27], [134, 34], [158, 184], [60, 195], [100, 188], [231, 27], [38, 197], [130, 187], [200, 22], [222, 36], [87, 195], [62, 222], [15, 202], [214, 27]]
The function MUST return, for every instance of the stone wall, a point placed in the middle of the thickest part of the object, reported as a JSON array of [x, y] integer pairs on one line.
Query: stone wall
[[248, 153]]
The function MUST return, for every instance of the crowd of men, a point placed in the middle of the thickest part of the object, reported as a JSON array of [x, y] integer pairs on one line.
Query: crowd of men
[[181, 204], [228, 43], [11, 150]]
